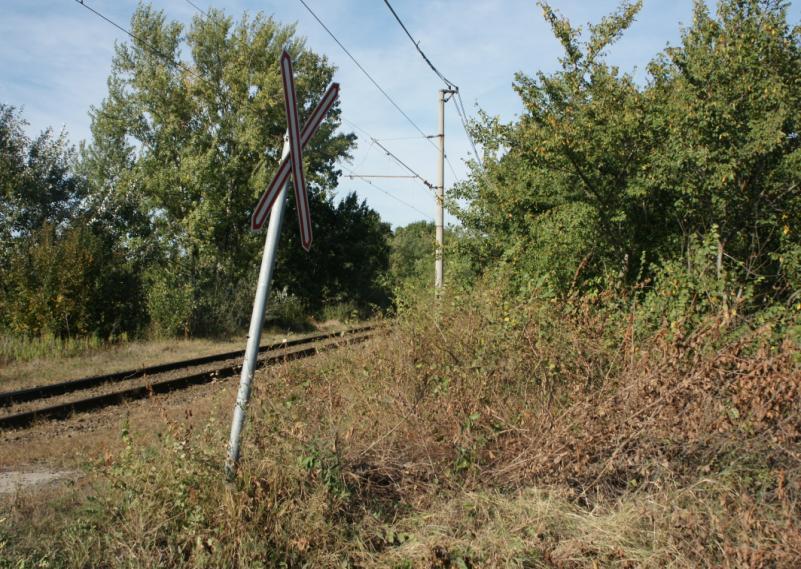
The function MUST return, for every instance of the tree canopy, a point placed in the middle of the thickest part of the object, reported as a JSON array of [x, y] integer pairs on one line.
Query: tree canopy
[[192, 145], [604, 177], [182, 146], [37, 185]]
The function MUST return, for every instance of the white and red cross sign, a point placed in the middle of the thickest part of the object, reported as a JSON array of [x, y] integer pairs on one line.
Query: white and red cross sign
[[293, 164]]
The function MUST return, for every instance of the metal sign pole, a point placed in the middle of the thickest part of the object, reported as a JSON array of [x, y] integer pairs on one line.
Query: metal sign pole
[[256, 323], [274, 200]]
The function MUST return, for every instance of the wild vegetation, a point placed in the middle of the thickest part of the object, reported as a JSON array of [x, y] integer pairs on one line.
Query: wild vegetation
[[605, 181], [144, 229], [613, 379], [493, 434]]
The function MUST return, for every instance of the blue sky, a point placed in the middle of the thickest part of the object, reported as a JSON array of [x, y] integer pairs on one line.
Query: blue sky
[[55, 57]]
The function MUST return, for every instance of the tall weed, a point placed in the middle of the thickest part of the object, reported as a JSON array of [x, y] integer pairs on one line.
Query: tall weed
[[481, 432]]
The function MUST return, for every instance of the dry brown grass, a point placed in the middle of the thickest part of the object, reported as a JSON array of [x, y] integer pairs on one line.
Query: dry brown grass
[[490, 435]]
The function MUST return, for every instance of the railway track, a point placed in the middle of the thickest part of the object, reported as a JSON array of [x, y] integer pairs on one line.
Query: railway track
[[22, 408]]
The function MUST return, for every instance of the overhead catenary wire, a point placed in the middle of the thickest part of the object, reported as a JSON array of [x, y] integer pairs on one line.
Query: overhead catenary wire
[[170, 61], [366, 176], [366, 155], [367, 74], [458, 103], [403, 164], [373, 139], [388, 193], [453, 170], [450, 84], [196, 7], [460, 110], [144, 43], [398, 138]]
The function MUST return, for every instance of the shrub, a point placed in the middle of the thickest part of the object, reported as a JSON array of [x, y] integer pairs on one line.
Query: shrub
[[479, 432], [170, 302], [70, 283], [286, 310], [559, 253], [685, 291]]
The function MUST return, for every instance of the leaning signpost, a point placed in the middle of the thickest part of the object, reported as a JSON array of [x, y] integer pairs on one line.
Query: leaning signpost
[[273, 201]]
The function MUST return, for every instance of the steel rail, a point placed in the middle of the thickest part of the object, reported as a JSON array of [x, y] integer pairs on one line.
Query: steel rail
[[65, 410], [51, 390]]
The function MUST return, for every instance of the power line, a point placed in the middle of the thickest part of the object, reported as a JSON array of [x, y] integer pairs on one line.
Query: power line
[[391, 154], [416, 44], [450, 84], [406, 166], [182, 66], [196, 7], [397, 138], [391, 195], [150, 47], [366, 176], [144, 44], [173, 63], [460, 110], [366, 155], [453, 171], [372, 138], [363, 70]]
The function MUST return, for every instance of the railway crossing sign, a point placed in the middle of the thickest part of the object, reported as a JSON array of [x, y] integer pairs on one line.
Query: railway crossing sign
[[273, 201], [293, 164]]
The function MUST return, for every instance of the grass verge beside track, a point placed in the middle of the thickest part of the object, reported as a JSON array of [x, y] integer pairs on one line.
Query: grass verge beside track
[[475, 434]]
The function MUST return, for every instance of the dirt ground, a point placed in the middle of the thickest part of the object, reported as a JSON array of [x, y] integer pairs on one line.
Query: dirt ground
[[60, 451], [54, 452]]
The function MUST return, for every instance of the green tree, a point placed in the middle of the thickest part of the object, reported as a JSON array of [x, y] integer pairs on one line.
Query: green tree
[[69, 282], [560, 185], [602, 177], [412, 256], [180, 153], [349, 260], [37, 184], [59, 272], [727, 119]]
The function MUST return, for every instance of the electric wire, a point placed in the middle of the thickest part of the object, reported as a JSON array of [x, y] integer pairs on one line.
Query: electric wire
[[173, 63], [150, 47], [145, 45], [366, 155], [198, 8], [460, 110], [404, 165], [453, 171], [450, 84], [390, 194], [372, 138], [176, 64], [363, 70], [366, 176], [397, 138], [391, 154]]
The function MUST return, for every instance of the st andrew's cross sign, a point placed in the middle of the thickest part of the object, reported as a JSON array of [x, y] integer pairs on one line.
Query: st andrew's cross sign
[[293, 164], [274, 199]]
